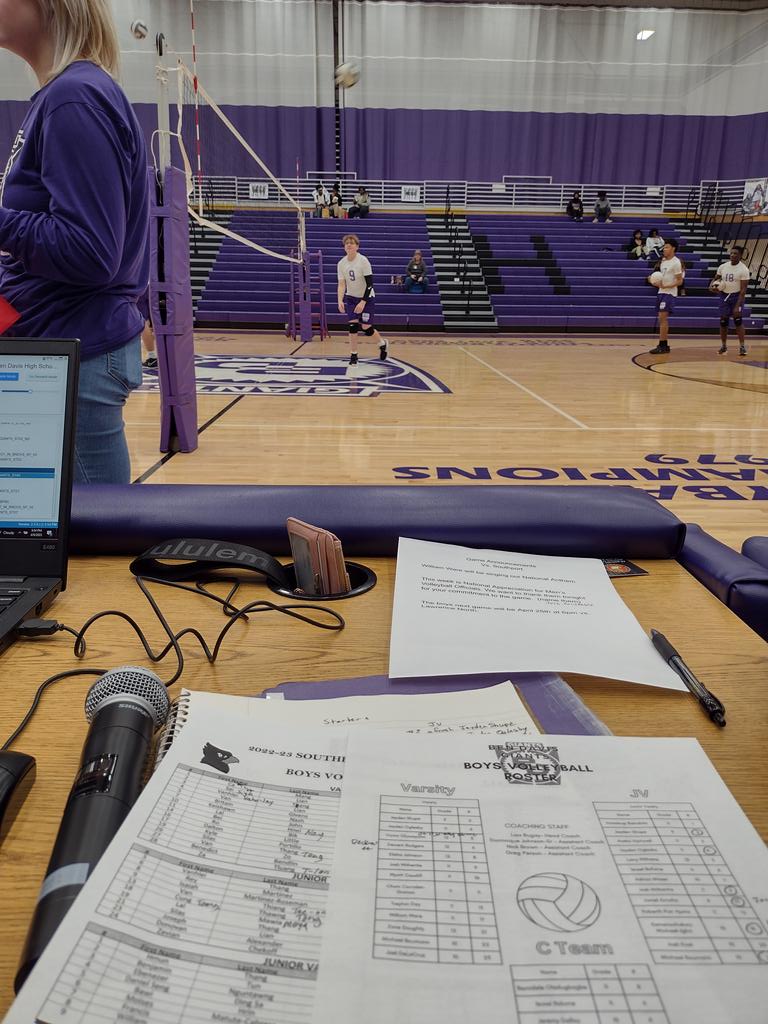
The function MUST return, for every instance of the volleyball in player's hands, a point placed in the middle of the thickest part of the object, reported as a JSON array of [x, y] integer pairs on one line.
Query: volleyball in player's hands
[[655, 279], [715, 285], [347, 75]]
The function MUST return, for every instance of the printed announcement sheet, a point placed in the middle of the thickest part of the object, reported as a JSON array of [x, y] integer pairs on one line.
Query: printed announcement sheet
[[566, 880], [463, 610]]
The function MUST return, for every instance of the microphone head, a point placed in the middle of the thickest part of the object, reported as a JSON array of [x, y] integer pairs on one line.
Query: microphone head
[[129, 681]]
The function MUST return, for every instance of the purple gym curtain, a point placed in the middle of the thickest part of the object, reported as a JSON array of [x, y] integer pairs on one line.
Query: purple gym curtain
[[464, 90], [422, 144]]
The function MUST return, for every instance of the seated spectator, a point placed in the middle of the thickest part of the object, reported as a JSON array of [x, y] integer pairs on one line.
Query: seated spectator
[[654, 244], [335, 202], [575, 207], [637, 246], [416, 274], [362, 202], [602, 208], [322, 200]]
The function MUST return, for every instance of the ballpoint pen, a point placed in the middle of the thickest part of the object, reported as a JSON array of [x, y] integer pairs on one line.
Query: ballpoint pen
[[708, 701]]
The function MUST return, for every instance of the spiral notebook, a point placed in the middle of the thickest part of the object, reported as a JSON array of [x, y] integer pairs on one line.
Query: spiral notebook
[[489, 707], [495, 710]]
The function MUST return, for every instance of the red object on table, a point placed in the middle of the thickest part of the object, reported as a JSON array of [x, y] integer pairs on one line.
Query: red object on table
[[8, 315]]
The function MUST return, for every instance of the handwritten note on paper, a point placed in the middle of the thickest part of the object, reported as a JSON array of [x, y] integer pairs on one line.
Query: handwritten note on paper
[[490, 711], [465, 610]]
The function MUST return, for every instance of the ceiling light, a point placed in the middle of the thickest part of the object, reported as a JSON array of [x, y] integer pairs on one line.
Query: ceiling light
[[645, 33]]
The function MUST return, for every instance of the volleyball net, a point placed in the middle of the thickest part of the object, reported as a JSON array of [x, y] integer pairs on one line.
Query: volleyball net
[[210, 146]]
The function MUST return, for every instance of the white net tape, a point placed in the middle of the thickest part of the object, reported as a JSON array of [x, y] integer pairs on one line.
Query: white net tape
[[206, 139]]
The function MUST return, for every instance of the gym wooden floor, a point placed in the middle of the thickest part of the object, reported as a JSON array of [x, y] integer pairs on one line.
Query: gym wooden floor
[[530, 407]]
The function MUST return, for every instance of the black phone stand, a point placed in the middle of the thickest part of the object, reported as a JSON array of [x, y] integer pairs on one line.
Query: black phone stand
[[361, 578]]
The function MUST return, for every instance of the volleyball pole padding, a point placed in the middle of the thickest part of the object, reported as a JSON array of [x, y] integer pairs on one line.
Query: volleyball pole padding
[[170, 296]]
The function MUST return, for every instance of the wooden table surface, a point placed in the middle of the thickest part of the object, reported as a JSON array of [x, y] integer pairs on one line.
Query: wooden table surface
[[271, 648]]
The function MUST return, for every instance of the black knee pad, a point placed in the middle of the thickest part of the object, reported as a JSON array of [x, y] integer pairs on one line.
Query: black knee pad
[[737, 321], [724, 321], [368, 331], [353, 328]]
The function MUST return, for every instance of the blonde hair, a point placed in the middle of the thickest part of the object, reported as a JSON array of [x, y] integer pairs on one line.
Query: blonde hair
[[81, 30]]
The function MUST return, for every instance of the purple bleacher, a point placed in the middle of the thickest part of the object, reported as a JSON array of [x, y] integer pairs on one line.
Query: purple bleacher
[[581, 277], [247, 287], [575, 277]]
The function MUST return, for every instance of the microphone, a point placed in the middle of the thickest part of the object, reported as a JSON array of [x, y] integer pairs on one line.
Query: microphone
[[124, 707]]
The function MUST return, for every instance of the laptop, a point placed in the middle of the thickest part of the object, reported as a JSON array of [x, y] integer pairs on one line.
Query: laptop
[[38, 390]]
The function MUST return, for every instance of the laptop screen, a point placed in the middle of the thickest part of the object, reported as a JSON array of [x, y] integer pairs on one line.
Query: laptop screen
[[33, 396], [37, 411]]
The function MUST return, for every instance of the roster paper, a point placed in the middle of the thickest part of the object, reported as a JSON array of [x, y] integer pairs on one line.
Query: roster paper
[[572, 880], [208, 906]]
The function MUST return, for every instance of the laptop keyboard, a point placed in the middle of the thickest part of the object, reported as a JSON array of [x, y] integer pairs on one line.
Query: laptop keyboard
[[11, 589]]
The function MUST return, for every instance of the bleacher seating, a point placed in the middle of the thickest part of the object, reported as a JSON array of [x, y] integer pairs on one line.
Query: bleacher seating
[[388, 240], [542, 272], [247, 287], [551, 273]]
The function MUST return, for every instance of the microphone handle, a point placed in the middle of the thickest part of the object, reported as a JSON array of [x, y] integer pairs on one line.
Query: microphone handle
[[107, 785]]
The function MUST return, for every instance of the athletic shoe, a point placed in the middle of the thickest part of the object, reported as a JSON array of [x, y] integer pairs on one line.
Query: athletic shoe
[[660, 350], [383, 349], [150, 362], [722, 350], [353, 359], [742, 350]]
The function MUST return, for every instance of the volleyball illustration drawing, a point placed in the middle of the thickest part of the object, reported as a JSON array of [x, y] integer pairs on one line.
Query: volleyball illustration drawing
[[558, 902]]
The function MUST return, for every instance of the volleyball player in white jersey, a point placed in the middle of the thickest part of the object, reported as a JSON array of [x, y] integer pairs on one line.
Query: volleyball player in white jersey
[[671, 279], [731, 281], [357, 298]]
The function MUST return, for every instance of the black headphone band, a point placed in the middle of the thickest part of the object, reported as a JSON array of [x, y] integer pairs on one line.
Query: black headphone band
[[198, 556]]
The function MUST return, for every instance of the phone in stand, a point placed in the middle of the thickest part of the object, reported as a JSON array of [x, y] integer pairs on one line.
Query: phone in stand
[[318, 559], [305, 548]]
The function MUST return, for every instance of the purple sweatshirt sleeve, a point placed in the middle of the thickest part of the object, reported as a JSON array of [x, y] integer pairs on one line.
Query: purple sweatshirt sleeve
[[80, 239]]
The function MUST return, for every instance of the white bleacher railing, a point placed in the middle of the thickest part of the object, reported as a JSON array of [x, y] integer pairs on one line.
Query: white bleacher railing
[[512, 193]]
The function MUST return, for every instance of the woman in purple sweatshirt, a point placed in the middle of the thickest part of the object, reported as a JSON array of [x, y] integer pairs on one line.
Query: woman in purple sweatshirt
[[74, 209]]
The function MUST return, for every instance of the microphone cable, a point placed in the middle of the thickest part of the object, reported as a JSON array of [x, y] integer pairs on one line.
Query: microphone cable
[[44, 627], [38, 695]]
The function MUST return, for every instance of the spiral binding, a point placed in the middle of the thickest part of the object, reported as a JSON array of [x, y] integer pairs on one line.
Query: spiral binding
[[177, 719]]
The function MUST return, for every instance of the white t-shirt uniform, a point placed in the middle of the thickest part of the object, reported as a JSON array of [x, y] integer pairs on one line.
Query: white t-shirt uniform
[[353, 274], [731, 277], [669, 272]]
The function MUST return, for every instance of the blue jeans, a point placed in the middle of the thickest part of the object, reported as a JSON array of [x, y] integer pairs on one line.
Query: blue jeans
[[101, 452], [415, 286]]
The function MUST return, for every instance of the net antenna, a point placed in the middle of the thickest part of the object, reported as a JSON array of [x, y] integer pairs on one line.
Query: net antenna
[[193, 95]]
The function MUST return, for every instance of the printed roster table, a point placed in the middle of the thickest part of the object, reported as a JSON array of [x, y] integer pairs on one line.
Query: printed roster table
[[434, 901]]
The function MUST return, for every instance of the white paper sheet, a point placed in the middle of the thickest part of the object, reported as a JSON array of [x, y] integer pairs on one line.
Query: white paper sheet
[[574, 879], [467, 611], [209, 904], [491, 710]]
